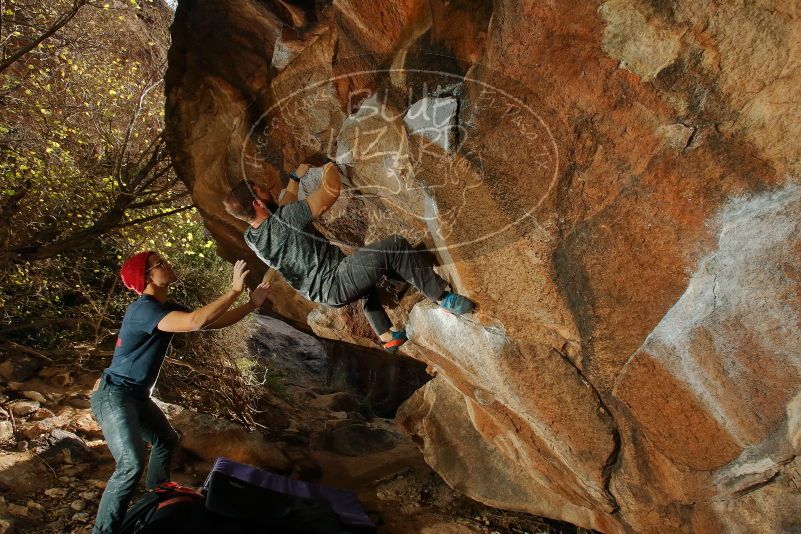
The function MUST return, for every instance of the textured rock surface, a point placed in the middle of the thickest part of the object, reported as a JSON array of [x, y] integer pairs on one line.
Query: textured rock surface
[[201, 434], [617, 190], [386, 380]]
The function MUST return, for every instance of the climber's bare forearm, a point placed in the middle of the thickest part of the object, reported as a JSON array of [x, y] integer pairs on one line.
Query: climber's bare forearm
[[290, 192], [288, 197]]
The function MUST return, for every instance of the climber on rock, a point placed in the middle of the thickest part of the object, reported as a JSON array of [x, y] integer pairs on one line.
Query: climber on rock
[[280, 236]]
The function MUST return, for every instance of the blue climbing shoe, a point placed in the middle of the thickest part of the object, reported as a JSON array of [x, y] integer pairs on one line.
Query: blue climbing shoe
[[398, 339], [457, 304]]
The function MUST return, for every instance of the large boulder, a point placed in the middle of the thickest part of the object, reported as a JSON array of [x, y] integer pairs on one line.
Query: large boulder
[[201, 435], [614, 183]]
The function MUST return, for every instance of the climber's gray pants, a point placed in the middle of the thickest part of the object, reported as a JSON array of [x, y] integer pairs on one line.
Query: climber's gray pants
[[357, 275]]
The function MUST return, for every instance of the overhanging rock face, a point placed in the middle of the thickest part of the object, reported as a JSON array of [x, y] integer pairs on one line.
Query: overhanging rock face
[[614, 183]]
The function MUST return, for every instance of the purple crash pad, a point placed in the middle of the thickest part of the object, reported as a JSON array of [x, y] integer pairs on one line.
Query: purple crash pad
[[344, 503]]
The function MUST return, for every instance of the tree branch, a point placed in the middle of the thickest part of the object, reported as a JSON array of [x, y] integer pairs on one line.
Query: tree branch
[[64, 19], [8, 210], [80, 240], [156, 216]]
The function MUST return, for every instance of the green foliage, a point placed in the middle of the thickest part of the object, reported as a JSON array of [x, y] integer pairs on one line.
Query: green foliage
[[81, 116], [86, 181], [82, 160]]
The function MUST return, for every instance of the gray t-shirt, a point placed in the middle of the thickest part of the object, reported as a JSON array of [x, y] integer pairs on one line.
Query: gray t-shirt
[[306, 259]]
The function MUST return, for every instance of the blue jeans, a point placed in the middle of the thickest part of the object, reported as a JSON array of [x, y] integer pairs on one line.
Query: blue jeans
[[127, 422]]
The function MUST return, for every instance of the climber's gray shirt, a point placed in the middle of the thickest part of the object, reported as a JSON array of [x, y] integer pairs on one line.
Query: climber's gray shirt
[[287, 243]]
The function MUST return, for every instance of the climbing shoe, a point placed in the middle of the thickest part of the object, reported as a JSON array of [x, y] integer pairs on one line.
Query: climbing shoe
[[457, 304], [398, 339]]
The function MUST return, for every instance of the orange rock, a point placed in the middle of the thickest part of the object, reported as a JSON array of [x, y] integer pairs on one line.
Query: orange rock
[[623, 206]]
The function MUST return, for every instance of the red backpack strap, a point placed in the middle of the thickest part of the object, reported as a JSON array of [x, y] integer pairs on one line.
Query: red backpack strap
[[175, 500], [172, 487]]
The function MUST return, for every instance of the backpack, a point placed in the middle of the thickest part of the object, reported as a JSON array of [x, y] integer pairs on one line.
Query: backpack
[[282, 505], [273, 510], [168, 508], [175, 509]]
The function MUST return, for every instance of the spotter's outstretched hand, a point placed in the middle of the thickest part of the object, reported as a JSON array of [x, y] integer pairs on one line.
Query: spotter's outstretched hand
[[259, 294], [240, 273]]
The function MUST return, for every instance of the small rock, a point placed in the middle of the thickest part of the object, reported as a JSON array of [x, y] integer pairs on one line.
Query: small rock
[[47, 372], [23, 445], [86, 425], [6, 432], [15, 386], [78, 505], [34, 505], [99, 484], [82, 517], [56, 493], [24, 407], [17, 510], [73, 470], [19, 367], [3, 414], [63, 446], [39, 429], [64, 479], [57, 377], [304, 466], [6, 526], [35, 396], [54, 397], [41, 413], [90, 495], [79, 402], [31, 432]]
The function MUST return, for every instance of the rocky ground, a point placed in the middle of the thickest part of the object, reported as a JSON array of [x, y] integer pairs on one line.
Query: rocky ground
[[54, 462]]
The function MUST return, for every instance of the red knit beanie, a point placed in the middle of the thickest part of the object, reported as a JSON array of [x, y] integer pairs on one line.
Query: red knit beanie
[[133, 271]]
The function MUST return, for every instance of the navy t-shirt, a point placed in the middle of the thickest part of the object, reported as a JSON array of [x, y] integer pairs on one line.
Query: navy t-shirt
[[141, 347]]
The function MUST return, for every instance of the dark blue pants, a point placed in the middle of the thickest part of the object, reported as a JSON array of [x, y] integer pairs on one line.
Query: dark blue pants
[[357, 275], [127, 422]]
